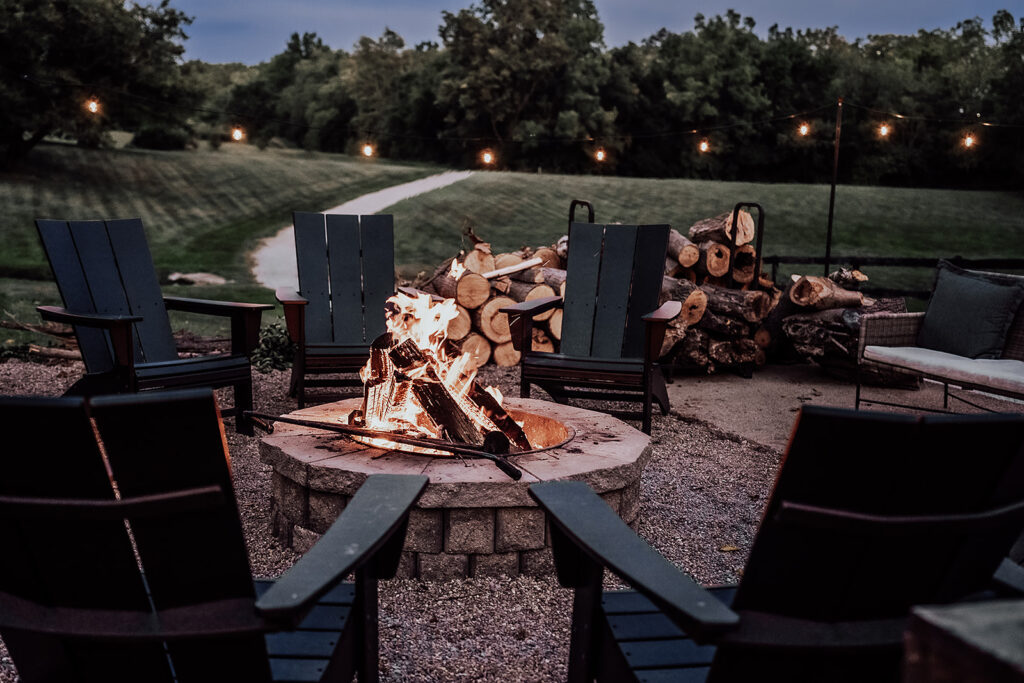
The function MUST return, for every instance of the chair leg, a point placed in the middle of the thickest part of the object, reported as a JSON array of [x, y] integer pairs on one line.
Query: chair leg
[[243, 401], [367, 634], [646, 427], [660, 390], [524, 385]]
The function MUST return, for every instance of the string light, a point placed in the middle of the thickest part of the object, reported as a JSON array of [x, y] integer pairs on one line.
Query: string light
[[599, 155], [884, 130], [237, 134], [804, 129], [487, 156], [704, 146], [367, 150], [969, 141], [92, 105]]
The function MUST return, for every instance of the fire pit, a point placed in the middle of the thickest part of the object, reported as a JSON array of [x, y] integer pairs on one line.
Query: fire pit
[[472, 520], [422, 412]]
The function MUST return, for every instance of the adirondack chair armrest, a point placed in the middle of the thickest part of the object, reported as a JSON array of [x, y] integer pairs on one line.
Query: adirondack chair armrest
[[520, 319], [294, 313], [289, 297], [656, 322], [586, 531], [245, 318], [367, 538], [118, 326]]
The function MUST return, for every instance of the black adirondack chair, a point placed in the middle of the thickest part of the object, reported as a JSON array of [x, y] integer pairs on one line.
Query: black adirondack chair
[[612, 327], [871, 514], [112, 297], [169, 596], [346, 273]]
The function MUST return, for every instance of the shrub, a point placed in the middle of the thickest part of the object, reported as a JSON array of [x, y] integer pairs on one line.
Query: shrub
[[162, 137], [275, 350]]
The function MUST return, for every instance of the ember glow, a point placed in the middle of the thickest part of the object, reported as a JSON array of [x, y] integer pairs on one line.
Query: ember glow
[[414, 388]]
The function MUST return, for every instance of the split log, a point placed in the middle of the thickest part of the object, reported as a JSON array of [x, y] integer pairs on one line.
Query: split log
[[549, 257], [555, 324], [460, 325], [723, 325], [491, 322], [733, 352], [506, 260], [681, 250], [847, 278], [499, 416], [479, 259], [526, 291], [714, 259], [505, 355], [744, 260], [542, 342], [751, 306], [719, 229], [501, 284], [54, 352], [469, 291], [821, 293], [514, 268], [693, 299], [477, 346], [444, 409]]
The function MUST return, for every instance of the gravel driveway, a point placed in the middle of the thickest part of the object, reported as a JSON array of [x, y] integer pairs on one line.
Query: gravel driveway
[[702, 495]]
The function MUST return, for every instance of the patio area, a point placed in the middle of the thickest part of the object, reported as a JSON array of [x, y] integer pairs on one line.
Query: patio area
[[702, 493]]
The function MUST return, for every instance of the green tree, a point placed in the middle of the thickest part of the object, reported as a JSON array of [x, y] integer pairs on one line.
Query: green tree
[[56, 54], [525, 74]]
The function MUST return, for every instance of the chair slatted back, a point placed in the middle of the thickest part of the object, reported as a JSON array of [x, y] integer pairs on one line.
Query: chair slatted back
[[610, 286], [347, 271], [157, 442], [885, 465], [106, 267], [67, 562], [193, 557]]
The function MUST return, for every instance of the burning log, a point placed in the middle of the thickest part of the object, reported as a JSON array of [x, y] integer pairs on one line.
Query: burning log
[[478, 348], [719, 229]]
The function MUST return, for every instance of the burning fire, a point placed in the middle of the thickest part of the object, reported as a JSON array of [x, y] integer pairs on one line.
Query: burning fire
[[412, 386]]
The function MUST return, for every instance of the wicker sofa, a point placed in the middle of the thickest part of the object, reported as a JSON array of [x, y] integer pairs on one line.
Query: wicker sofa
[[890, 339]]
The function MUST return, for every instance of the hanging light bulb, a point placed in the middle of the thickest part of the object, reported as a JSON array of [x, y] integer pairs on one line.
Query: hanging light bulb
[[92, 105], [237, 134], [884, 130], [804, 129], [599, 155], [704, 146], [970, 141], [367, 150], [487, 156]]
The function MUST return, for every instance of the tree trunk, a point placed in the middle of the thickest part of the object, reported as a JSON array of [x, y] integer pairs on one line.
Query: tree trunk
[[682, 250], [734, 352], [469, 291], [719, 229], [505, 355], [751, 306], [714, 259], [821, 293], [490, 322], [723, 325], [693, 299], [460, 325]]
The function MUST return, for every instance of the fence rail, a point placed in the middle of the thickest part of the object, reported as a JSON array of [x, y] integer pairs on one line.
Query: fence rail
[[894, 261]]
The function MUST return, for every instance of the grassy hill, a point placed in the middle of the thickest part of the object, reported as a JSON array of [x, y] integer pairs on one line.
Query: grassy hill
[[511, 210]]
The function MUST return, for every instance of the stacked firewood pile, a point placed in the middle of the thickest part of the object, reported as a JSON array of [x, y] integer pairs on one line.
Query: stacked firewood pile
[[722, 324], [482, 283]]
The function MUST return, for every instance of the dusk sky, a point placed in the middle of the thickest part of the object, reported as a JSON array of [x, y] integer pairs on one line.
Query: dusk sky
[[252, 31]]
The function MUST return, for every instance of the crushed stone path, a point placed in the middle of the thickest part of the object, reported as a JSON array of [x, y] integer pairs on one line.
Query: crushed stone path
[[274, 259]]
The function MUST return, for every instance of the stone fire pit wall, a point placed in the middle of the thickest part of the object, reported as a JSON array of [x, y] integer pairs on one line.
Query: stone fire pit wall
[[472, 520]]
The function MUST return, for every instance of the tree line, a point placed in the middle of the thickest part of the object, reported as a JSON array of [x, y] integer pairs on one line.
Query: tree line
[[532, 81]]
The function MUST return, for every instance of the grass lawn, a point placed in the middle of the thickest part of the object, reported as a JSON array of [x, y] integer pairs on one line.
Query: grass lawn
[[511, 209]]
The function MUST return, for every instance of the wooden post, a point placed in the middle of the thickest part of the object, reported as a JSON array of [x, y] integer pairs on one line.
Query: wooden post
[[832, 194]]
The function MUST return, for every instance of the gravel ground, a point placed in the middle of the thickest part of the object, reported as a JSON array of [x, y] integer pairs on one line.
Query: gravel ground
[[702, 495]]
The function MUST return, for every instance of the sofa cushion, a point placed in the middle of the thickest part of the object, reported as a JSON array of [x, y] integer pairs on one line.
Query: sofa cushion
[[997, 373], [969, 313]]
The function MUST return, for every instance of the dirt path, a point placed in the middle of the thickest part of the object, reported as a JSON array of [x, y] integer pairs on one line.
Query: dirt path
[[274, 259]]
